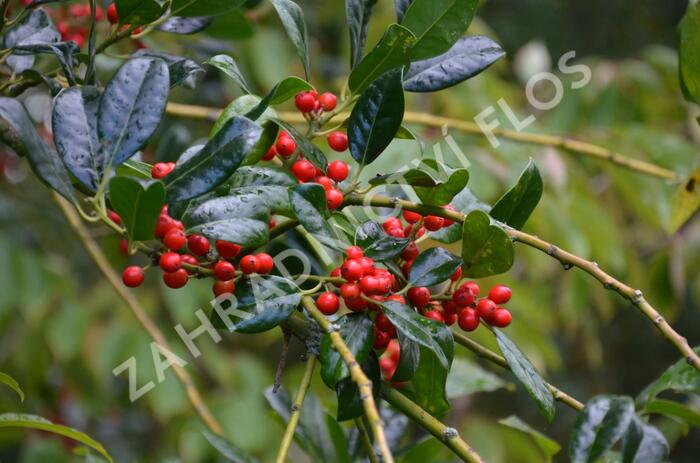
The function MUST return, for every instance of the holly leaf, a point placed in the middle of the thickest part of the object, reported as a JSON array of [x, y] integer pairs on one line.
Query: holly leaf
[[408, 360], [138, 203], [680, 377], [35, 28], [138, 12], [467, 58], [185, 26], [309, 203], [528, 376], [401, 7], [182, 71], [430, 377], [601, 423], [357, 13], [376, 244], [293, 21], [465, 201], [486, 249], [549, 446], [467, 377], [312, 153], [357, 330], [516, 205], [433, 266], [270, 184], [227, 450], [688, 59], [228, 66], [643, 443], [376, 118]]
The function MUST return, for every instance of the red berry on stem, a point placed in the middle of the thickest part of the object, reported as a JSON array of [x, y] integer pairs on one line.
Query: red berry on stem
[[450, 318], [457, 275], [391, 222], [369, 285], [338, 141], [351, 270], [485, 308], [468, 320], [350, 290], [433, 222], [124, 246], [112, 16], [325, 182], [249, 264], [334, 199], [328, 303], [223, 287], [327, 101], [175, 239], [198, 245], [305, 102], [224, 270], [132, 276], [396, 298], [338, 171], [226, 249], [159, 170], [170, 262], [383, 323], [419, 296], [354, 252], [356, 304], [285, 146], [410, 252], [176, 279], [114, 217], [396, 232], [411, 217], [463, 297], [448, 222], [500, 294], [264, 263], [367, 265], [270, 154], [473, 287], [191, 260], [435, 315], [501, 318], [303, 170], [381, 339]]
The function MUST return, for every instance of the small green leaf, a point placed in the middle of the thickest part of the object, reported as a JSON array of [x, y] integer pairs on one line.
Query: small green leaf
[[673, 410], [10, 382], [189, 8], [138, 12], [643, 443], [601, 423], [214, 163], [689, 55], [433, 266], [680, 377], [349, 400], [18, 420], [465, 201], [261, 303], [527, 375], [293, 21], [134, 168], [357, 14], [516, 205], [419, 329], [283, 91], [309, 203], [138, 203], [228, 66], [376, 244], [312, 153], [486, 249], [437, 24], [549, 447], [390, 53], [357, 330], [376, 118], [685, 202], [227, 450], [467, 377]]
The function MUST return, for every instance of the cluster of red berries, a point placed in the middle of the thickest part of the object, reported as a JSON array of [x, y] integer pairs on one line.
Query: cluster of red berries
[[313, 105]]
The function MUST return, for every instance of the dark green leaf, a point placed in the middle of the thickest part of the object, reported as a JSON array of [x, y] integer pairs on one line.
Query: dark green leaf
[[549, 446], [138, 12], [527, 375], [643, 443], [240, 107], [437, 24], [138, 203], [131, 107], [486, 249], [376, 244], [419, 329], [390, 53], [434, 183], [309, 203], [228, 66], [293, 21], [180, 25], [401, 7], [10, 382], [376, 118], [673, 410], [338, 439], [17, 420], [601, 423], [283, 91], [689, 55], [408, 360], [261, 304], [240, 218], [311, 152], [349, 401], [231, 26], [182, 71], [432, 267], [467, 377], [17, 131], [465, 201], [134, 168], [467, 58], [516, 205], [194, 8], [357, 14], [35, 28], [271, 184], [346, 224], [227, 450], [214, 163], [74, 121], [680, 377], [357, 330], [429, 381]]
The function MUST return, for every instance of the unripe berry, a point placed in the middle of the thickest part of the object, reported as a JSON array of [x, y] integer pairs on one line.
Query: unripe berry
[[351, 270], [224, 270], [112, 16], [176, 279], [223, 287], [328, 303], [303, 170], [419, 296], [435, 315], [410, 252], [334, 199], [264, 263], [305, 102], [501, 318], [170, 262], [175, 239], [338, 171], [433, 222], [226, 249], [327, 101], [285, 146], [485, 308], [411, 217], [468, 319], [500, 294], [338, 141], [248, 264], [133, 276], [198, 245]]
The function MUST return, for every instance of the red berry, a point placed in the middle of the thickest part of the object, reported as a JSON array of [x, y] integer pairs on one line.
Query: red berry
[[249, 264], [305, 102], [328, 303], [381, 339], [435, 315], [175, 239], [223, 287], [390, 223], [411, 217], [450, 307], [385, 284], [112, 14], [450, 318], [407, 267], [448, 222], [325, 182], [419, 296], [356, 304], [170, 262], [264, 263], [334, 199], [132, 276], [369, 285], [468, 320], [383, 323], [407, 231], [335, 273], [338, 171], [501, 318], [473, 287], [338, 141], [457, 275], [224, 270], [433, 222], [303, 170], [198, 245], [367, 265], [396, 232], [410, 252], [485, 308], [351, 270], [160, 170], [354, 252], [163, 226], [124, 247], [396, 298], [350, 290], [327, 101], [78, 38], [226, 249], [114, 217], [191, 260], [500, 294], [176, 279], [463, 297], [286, 146], [270, 154], [388, 367]]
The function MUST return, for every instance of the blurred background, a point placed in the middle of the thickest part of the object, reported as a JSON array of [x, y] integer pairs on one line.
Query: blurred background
[[62, 330]]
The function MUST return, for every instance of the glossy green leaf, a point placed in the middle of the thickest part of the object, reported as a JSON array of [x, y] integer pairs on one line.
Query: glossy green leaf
[[349, 400], [18, 420], [10, 382], [437, 24], [673, 409], [433, 266], [270, 184], [685, 202], [376, 118], [357, 14], [309, 203], [228, 66], [401, 7], [138, 203], [138, 12], [196, 8], [312, 153], [408, 360], [549, 446], [465, 201], [227, 450], [429, 380], [74, 123], [214, 163], [528, 376], [689, 55], [601, 423], [680, 377], [390, 53], [486, 249], [33, 29], [239, 218], [131, 107], [182, 71], [419, 329], [185, 26], [134, 168], [283, 91], [345, 223], [231, 26], [17, 131], [467, 58], [376, 244], [293, 21], [643, 443], [516, 205], [357, 329], [261, 303], [240, 107], [467, 377]]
